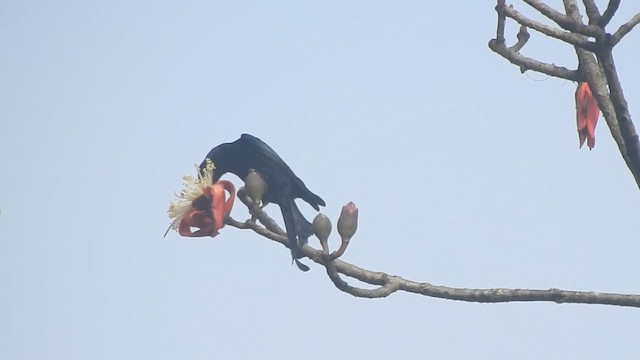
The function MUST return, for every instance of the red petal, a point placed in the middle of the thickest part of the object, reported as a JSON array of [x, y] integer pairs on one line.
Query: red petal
[[196, 219]]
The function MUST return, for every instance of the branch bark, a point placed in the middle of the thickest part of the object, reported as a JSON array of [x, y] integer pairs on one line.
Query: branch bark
[[592, 11]]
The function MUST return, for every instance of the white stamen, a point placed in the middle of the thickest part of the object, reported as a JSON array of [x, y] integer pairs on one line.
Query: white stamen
[[193, 188]]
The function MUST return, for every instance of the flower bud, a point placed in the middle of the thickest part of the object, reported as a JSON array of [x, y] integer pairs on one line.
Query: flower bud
[[348, 221], [255, 186], [322, 226], [322, 229]]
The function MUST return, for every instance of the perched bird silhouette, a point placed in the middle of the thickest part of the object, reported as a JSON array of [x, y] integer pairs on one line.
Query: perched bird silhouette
[[248, 154]]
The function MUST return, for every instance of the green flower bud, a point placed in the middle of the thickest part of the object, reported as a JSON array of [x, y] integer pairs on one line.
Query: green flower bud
[[255, 186], [322, 229]]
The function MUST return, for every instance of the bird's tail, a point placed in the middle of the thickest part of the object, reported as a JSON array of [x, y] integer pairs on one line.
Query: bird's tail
[[314, 200], [298, 230]]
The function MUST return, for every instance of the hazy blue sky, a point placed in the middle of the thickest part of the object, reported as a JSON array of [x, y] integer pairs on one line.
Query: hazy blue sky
[[466, 174]]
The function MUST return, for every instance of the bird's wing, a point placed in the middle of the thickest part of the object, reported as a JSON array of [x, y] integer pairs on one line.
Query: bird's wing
[[271, 156]]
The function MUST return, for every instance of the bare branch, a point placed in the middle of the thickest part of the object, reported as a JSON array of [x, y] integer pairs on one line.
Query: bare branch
[[571, 8], [592, 11], [388, 287], [559, 18], [512, 54], [509, 295], [573, 13], [388, 284], [627, 129], [501, 20], [564, 21], [608, 13], [522, 36], [624, 30], [526, 63], [568, 37]]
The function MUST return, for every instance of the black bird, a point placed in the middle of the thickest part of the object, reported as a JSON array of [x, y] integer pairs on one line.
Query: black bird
[[283, 186]]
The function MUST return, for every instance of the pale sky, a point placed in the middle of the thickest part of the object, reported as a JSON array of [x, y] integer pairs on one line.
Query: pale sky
[[466, 173]]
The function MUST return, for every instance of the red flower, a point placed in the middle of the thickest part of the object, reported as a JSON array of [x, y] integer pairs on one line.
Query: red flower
[[208, 211], [587, 112]]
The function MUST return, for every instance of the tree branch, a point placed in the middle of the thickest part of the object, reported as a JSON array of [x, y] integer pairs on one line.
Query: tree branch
[[592, 11], [564, 21], [624, 30], [387, 287], [608, 13], [526, 63], [387, 284], [559, 18], [627, 129], [512, 54], [501, 20], [595, 31], [568, 37]]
